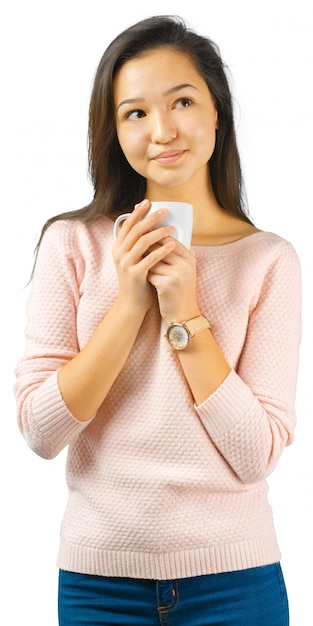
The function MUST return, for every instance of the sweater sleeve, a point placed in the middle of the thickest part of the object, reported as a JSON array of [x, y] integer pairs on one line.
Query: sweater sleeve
[[251, 416], [51, 341]]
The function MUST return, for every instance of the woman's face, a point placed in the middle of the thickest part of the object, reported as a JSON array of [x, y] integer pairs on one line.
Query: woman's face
[[165, 119]]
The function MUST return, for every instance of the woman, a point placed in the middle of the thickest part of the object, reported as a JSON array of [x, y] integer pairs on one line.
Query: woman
[[167, 519]]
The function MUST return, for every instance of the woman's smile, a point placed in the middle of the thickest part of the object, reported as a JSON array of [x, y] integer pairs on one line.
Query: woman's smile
[[168, 157]]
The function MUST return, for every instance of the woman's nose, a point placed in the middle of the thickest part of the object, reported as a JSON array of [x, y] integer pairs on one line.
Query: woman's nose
[[163, 128]]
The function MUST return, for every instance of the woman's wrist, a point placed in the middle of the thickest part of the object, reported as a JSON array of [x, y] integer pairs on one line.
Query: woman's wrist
[[183, 315]]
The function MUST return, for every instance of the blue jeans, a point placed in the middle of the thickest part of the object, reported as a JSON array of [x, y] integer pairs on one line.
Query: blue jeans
[[252, 597]]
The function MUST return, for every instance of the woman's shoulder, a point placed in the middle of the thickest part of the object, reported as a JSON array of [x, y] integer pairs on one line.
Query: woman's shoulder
[[75, 231], [268, 243], [257, 251]]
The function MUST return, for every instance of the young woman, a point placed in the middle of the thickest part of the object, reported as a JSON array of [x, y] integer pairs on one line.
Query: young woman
[[167, 519]]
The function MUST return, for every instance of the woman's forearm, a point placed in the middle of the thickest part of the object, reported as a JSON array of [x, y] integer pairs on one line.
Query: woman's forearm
[[85, 380], [204, 365]]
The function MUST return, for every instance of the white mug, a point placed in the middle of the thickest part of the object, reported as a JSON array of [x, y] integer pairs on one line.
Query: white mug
[[180, 215]]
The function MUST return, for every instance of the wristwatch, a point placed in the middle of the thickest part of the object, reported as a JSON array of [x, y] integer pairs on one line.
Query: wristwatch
[[179, 335]]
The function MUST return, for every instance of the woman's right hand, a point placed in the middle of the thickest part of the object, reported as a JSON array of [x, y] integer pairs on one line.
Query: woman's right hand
[[138, 247]]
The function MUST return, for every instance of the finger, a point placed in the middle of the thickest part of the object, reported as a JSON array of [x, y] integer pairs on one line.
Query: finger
[[156, 255], [149, 242], [180, 254], [182, 251], [137, 224], [137, 214]]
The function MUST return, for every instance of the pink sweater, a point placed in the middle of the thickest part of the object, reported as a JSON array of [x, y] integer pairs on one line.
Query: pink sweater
[[159, 487]]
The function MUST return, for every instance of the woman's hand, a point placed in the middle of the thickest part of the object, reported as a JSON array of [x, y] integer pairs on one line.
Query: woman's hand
[[139, 247], [174, 278]]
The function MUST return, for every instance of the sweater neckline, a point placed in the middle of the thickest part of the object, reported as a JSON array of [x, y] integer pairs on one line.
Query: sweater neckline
[[233, 246]]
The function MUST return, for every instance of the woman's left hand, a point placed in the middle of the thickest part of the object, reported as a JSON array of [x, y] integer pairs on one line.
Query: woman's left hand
[[174, 279]]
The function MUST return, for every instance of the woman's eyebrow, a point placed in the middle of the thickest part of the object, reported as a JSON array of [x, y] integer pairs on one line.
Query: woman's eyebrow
[[166, 93], [177, 88], [129, 101]]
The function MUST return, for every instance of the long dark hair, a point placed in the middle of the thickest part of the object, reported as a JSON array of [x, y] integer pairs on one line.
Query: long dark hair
[[117, 186]]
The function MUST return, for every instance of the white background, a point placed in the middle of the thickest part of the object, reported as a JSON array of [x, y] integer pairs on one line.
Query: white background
[[49, 53]]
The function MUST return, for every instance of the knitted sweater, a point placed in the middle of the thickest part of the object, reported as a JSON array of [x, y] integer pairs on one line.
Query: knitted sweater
[[158, 487]]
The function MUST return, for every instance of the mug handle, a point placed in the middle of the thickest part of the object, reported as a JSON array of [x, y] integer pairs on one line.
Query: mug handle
[[117, 222]]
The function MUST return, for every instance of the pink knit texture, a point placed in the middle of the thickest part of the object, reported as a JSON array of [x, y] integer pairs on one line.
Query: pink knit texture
[[158, 487]]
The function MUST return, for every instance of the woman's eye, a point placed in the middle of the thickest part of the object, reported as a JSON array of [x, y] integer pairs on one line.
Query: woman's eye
[[135, 115], [182, 103]]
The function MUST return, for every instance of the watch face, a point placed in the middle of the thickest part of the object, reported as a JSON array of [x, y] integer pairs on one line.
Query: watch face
[[177, 336]]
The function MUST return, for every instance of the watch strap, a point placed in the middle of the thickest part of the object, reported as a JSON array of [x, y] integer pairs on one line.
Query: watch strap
[[196, 324]]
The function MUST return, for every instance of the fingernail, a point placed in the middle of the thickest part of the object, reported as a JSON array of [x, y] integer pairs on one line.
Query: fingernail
[[144, 203]]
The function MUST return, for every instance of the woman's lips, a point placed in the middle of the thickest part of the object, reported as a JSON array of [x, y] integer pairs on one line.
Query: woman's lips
[[169, 157]]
